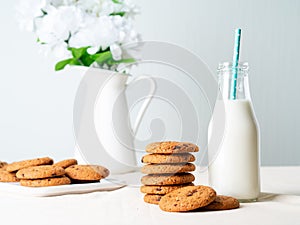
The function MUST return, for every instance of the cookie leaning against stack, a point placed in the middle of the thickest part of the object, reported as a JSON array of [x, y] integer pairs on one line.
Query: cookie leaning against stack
[[168, 167], [200, 198]]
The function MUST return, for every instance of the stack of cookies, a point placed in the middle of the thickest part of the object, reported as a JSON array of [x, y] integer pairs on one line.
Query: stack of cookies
[[41, 172], [168, 167]]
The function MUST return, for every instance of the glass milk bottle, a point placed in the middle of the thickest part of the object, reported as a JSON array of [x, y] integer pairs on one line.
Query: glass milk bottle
[[233, 138]]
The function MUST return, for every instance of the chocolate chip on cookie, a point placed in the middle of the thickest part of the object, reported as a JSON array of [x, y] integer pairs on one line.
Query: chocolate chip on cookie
[[87, 172], [152, 198], [169, 147], [187, 199], [38, 172], [28, 163]]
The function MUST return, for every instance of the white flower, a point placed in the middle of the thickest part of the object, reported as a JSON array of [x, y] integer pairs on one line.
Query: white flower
[[130, 9], [116, 51], [56, 3], [92, 7], [53, 34], [60, 50], [59, 24], [108, 7], [27, 11], [98, 32]]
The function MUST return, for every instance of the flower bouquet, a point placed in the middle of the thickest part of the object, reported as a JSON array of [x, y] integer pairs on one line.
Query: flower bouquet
[[82, 32]]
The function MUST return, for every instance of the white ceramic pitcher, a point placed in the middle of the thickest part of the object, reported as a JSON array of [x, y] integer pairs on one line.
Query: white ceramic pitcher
[[115, 148]]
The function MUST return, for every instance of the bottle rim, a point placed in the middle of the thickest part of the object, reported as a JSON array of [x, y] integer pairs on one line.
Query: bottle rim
[[228, 66]]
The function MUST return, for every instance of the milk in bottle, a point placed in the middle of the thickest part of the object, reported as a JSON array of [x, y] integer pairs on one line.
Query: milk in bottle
[[233, 134]]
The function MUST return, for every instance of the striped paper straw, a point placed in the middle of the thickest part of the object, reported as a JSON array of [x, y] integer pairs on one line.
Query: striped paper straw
[[235, 62]]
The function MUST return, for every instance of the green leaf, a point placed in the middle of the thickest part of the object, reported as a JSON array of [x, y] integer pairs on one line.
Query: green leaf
[[113, 62], [62, 64], [102, 57], [117, 14], [78, 52], [116, 2], [75, 62], [87, 60], [129, 60]]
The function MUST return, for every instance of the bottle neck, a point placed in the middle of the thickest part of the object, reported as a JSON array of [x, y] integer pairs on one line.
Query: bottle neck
[[233, 83]]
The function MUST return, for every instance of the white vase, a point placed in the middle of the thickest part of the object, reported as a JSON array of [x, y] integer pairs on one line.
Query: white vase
[[101, 121]]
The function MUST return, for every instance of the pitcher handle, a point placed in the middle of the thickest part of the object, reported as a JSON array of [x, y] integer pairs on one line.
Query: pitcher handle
[[146, 103]]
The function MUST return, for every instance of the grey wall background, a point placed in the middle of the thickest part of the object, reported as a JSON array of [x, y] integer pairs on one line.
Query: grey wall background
[[36, 102]]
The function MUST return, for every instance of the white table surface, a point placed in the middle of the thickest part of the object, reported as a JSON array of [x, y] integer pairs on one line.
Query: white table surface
[[279, 204]]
